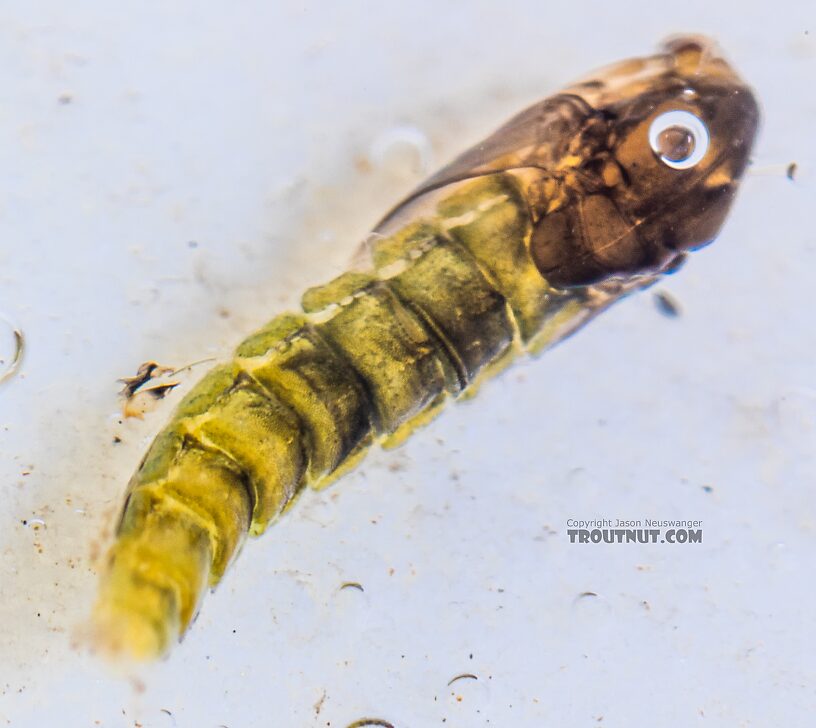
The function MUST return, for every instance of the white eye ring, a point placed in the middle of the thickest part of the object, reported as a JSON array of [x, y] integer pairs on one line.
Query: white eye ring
[[683, 121]]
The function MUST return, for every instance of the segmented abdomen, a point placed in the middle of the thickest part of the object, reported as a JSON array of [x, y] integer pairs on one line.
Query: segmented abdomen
[[370, 353]]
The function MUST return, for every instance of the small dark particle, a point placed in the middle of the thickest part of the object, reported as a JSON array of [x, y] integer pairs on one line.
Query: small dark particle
[[666, 304], [790, 172], [352, 585], [116, 439], [371, 721], [708, 489], [463, 676]]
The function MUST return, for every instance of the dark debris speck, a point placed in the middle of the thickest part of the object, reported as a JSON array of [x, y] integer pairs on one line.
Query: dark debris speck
[[666, 304]]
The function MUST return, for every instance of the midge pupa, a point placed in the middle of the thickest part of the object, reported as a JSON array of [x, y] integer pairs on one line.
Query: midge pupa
[[583, 198]]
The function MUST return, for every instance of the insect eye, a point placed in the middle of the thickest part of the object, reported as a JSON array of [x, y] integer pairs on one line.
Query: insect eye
[[679, 139]]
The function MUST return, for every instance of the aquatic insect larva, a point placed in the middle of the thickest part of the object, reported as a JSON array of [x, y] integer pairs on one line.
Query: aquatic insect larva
[[581, 199]]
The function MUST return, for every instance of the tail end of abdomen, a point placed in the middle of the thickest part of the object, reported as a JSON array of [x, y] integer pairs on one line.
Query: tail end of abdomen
[[177, 537], [150, 590]]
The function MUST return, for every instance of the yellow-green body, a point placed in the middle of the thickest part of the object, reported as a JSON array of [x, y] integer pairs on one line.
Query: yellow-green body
[[449, 298]]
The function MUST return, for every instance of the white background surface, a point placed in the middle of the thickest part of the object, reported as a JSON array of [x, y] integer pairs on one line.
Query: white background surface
[[131, 130]]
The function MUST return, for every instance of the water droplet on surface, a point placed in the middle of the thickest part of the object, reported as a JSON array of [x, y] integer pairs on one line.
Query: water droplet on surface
[[403, 151]]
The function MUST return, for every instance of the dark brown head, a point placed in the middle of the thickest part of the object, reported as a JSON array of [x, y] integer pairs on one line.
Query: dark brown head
[[655, 170]]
